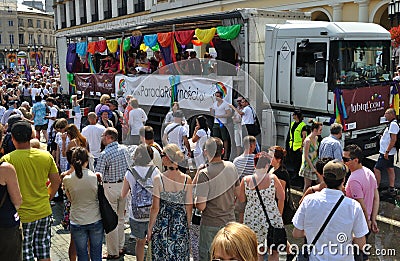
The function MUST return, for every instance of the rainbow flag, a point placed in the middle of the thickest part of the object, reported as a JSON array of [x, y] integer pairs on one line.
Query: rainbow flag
[[121, 56], [221, 88], [174, 80], [395, 96]]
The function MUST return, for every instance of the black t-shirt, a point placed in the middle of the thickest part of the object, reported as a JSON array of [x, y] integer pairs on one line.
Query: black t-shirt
[[283, 174]]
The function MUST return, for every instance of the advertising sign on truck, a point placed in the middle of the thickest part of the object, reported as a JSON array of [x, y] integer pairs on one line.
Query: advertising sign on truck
[[192, 92], [365, 106]]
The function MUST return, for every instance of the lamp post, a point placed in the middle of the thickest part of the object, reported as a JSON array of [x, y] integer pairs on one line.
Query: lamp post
[[391, 12], [35, 51], [11, 54]]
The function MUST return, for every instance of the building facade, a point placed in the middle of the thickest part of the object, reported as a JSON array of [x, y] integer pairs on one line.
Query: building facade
[[24, 28]]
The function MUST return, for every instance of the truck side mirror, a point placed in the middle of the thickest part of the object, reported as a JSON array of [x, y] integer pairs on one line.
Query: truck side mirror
[[320, 71]]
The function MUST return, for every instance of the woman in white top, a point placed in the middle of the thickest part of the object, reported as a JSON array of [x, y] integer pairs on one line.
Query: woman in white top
[[137, 118], [200, 135], [85, 218]]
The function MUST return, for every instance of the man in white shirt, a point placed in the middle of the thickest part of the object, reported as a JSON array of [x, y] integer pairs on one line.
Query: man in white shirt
[[93, 133], [387, 150], [53, 113], [177, 134], [347, 225], [221, 111]]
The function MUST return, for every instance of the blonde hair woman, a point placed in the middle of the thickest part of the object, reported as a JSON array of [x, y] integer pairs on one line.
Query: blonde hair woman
[[235, 241], [103, 104]]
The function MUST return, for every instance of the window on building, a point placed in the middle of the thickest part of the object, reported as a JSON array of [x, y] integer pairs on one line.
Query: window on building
[[11, 39], [0, 38], [10, 23], [21, 39], [45, 24], [30, 40], [20, 22], [39, 39], [30, 23], [38, 23], [46, 40]]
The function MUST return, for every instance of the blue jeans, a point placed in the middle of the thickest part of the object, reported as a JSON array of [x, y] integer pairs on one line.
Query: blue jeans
[[81, 234]]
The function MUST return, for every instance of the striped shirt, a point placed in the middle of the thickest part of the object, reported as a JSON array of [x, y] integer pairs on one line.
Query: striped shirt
[[113, 162], [244, 165]]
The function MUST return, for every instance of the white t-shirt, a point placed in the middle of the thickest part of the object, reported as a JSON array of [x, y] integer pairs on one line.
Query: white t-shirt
[[203, 136], [247, 117], [53, 113], [220, 111], [34, 91], [176, 135], [136, 119], [346, 222], [385, 140], [121, 103], [93, 135], [142, 171]]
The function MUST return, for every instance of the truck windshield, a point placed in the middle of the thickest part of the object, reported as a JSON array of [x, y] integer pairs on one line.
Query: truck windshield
[[359, 63]]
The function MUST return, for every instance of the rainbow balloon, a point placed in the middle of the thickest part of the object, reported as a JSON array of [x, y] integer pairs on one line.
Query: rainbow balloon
[[221, 88]]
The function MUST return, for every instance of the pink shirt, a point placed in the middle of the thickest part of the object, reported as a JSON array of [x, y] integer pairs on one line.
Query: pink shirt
[[362, 184]]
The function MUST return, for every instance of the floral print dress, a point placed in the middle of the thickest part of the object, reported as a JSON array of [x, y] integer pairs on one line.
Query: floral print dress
[[253, 213], [306, 171], [170, 236]]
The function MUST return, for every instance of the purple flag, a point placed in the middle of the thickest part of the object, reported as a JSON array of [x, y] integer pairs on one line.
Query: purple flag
[[51, 69], [38, 61], [27, 72]]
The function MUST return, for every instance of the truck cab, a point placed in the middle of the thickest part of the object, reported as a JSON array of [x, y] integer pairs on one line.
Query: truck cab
[[331, 71]]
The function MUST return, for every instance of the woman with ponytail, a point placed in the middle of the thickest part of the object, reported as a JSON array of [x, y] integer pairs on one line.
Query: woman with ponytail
[[81, 190]]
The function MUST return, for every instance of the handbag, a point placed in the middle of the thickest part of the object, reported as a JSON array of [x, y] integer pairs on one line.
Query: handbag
[[256, 128], [276, 236], [108, 215], [289, 208], [304, 254]]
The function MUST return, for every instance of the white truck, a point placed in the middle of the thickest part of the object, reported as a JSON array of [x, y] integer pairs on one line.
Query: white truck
[[282, 61]]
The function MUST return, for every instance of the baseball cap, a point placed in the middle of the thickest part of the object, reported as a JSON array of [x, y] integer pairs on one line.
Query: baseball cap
[[13, 119], [25, 103], [335, 170], [21, 131], [178, 114]]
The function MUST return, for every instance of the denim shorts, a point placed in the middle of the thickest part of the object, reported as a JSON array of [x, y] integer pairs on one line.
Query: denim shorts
[[383, 163], [138, 229]]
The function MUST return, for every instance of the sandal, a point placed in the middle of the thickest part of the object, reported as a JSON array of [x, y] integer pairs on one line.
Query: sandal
[[122, 251], [111, 257]]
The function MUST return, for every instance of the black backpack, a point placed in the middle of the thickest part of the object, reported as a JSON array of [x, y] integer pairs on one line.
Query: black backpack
[[61, 113], [8, 145]]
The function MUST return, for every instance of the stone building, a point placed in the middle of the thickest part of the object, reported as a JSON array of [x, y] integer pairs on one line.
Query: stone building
[[25, 30]]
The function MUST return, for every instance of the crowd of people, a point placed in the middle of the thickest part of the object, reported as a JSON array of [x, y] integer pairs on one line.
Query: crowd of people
[[179, 213]]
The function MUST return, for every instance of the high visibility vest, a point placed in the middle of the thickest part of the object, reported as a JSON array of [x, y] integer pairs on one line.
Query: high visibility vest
[[295, 142]]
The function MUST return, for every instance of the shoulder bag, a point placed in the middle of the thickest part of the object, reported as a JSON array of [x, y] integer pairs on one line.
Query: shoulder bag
[[108, 215], [289, 208], [276, 236], [304, 254]]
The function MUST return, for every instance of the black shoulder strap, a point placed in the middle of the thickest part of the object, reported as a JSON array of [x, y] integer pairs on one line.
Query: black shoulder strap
[[173, 128], [327, 220], [261, 201]]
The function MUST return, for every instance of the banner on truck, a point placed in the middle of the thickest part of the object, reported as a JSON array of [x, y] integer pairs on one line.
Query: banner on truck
[[365, 106], [94, 84], [192, 92]]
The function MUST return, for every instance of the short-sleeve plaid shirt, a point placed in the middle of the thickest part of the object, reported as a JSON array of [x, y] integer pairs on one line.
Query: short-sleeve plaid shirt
[[113, 162]]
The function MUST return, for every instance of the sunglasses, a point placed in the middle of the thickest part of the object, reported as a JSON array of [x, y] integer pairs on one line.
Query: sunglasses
[[347, 159]]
